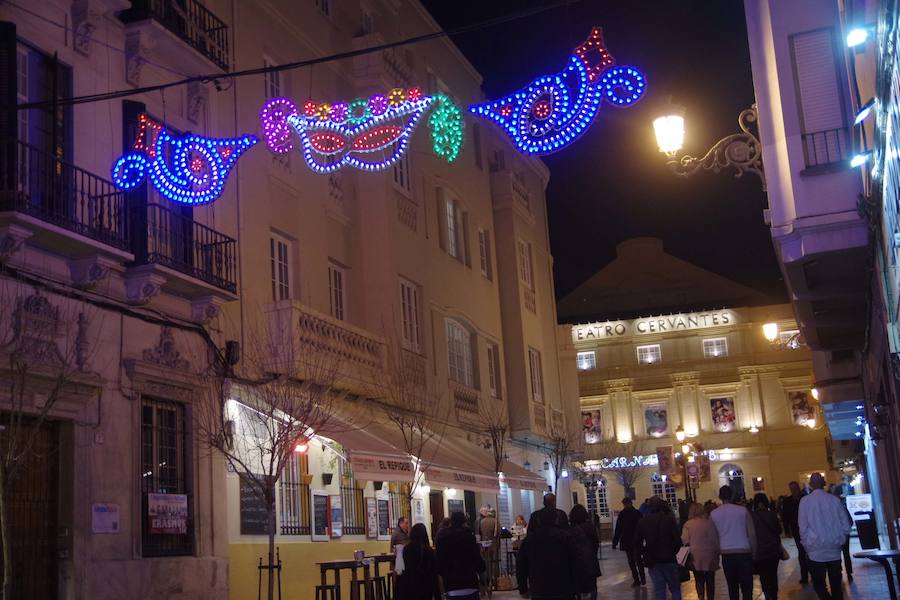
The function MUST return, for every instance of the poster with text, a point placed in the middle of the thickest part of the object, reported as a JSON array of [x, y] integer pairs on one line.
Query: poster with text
[[168, 513], [371, 519], [656, 418], [723, 416], [418, 510], [802, 409], [591, 425], [337, 517]]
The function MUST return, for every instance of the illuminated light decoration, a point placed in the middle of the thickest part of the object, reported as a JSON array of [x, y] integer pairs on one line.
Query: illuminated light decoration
[[369, 134], [190, 168], [554, 110]]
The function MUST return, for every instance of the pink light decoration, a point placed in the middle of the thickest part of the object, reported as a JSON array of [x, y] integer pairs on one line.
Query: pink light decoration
[[339, 112], [378, 104]]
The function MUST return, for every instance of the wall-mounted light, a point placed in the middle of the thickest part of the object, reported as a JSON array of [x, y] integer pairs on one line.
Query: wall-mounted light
[[565, 473], [860, 159], [864, 111], [754, 429], [858, 36], [815, 393], [679, 434], [770, 331]]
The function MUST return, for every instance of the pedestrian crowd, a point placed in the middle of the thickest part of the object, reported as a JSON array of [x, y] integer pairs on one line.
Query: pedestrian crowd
[[556, 554]]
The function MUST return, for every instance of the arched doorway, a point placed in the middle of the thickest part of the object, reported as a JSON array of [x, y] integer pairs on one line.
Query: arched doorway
[[665, 490], [733, 476]]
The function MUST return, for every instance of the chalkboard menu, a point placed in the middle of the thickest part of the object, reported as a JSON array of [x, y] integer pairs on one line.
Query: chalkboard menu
[[384, 518], [254, 519], [320, 515]]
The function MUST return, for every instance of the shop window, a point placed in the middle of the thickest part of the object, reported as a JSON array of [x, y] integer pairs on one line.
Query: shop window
[[660, 487]]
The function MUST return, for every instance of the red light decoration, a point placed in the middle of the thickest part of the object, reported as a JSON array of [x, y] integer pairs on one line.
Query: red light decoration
[[196, 164], [506, 110], [594, 55], [377, 138], [327, 142], [414, 94], [542, 109], [310, 108], [148, 131]]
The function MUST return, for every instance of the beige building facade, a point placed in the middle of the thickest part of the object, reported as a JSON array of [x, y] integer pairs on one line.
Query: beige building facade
[[445, 269]]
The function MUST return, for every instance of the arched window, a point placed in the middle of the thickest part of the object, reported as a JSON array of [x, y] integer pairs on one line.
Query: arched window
[[460, 354], [733, 476], [597, 497], [663, 489]]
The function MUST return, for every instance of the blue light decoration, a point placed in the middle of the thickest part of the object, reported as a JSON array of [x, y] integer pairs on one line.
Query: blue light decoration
[[554, 110], [190, 169], [368, 134]]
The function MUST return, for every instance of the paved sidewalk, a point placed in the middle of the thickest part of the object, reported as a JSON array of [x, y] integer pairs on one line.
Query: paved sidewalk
[[869, 581]]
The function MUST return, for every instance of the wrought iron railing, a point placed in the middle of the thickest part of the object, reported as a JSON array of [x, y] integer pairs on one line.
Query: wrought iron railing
[[42, 185], [162, 236], [190, 21], [826, 147], [354, 509]]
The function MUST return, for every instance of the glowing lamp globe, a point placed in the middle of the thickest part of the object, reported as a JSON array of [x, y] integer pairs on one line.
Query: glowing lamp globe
[[770, 331], [815, 393], [679, 434], [669, 130], [857, 36]]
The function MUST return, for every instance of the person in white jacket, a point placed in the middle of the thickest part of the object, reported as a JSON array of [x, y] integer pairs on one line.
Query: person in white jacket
[[824, 528]]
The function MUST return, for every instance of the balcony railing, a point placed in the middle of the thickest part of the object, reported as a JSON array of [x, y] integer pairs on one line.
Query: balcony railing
[[164, 237], [540, 416], [190, 21], [465, 400], [824, 148], [42, 185]]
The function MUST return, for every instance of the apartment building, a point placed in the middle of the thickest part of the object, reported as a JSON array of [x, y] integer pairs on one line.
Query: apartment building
[[830, 211], [442, 268]]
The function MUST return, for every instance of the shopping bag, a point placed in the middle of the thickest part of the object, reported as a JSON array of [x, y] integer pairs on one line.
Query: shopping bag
[[683, 554], [398, 561]]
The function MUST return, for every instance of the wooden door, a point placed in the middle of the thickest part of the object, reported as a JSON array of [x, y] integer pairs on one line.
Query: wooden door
[[436, 504]]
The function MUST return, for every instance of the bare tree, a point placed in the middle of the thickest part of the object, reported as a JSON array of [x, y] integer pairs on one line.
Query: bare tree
[[44, 355], [558, 452], [287, 393], [413, 407], [493, 425], [622, 459]]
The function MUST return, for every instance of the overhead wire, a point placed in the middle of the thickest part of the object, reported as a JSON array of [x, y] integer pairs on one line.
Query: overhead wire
[[218, 78]]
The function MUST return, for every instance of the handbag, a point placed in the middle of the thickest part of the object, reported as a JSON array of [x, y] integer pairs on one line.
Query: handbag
[[784, 553], [684, 574], [684, 553]]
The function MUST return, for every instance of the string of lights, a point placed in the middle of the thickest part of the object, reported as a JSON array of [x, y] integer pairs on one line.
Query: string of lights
[[217, 78]]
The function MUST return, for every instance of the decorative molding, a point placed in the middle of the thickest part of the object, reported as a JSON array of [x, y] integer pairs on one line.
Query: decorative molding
[[619, 385], [12, 239], [142, 284], [686, 378], [87, 272], [36, 324], [197, 101], [82, 343], [136, 52], [150, 379], [205, 309], [164, 352], [749, 371], [83, 26]]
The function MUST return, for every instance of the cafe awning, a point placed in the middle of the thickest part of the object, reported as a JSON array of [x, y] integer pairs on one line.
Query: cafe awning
[[454, 464], [371, 456], [519, 478]]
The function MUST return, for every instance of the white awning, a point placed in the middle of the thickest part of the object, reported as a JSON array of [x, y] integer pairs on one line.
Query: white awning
[[371, 456]]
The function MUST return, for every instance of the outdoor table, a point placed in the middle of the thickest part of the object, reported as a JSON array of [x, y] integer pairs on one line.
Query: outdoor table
[[351, 565], [882, 557]]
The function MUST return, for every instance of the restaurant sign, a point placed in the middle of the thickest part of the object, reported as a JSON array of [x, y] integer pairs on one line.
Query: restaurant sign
[[374, 467], [525, 483], [650, 325], [462, 480]]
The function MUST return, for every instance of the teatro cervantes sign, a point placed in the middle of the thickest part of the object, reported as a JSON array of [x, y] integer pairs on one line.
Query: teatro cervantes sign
[[650, 325]]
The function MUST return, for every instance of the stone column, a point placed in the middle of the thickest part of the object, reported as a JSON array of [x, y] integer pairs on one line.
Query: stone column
[[619, 391], [685, 391]]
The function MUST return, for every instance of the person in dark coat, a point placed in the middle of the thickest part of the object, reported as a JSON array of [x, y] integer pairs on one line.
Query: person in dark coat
[[790, 510], [658, 541], [623, 537], [586, 542], [768, 545], [419, 580], [561, 519], [459, 559], [547, 565]]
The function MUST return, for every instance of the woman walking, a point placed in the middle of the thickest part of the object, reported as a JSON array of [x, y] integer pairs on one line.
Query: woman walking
[[768, 545], [586, 542], [703, 538], [419, 580]]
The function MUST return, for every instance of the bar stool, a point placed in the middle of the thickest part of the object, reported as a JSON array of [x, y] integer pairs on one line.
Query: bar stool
[[375, 587], [326, 592]]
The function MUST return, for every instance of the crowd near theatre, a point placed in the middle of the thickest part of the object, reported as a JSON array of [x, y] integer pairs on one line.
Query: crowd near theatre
[[259, 326]]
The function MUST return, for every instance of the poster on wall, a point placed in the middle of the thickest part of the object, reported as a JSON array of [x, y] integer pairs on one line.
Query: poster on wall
[[384, 519], [705, 468], [656, 418], [723, 415], [168, 513], [418, 510], [591, 425], [104, 518], [802, 409], [320, 515], [337, 516], [371, 519], [665, 456]]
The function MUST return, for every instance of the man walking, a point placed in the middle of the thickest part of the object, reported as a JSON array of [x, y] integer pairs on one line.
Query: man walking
[[560, 517], [824, 528], [459, 559], [790, 514], [737, 543], [547, 563], [658, 541], [623, 536]]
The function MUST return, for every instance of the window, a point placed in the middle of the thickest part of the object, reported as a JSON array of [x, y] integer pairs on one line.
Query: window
[[536, 374], [279, 261], [401, 174], [459, 352], [409, 309], [484, 253], [526, 269], [367, 22], [586, 361], [648, 355], [454, 230], [597, 497], [493, 356], [337, 277], [790, 339], [659, 486], [324, 7], [294, 495], [271, 80], [165, 469], [715, 347]]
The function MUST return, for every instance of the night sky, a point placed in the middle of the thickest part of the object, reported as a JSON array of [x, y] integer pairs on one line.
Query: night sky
[[612, 184]]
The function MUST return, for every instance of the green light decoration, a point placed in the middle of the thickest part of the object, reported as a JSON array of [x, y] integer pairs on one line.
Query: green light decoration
[[359, 111], [446, 123]]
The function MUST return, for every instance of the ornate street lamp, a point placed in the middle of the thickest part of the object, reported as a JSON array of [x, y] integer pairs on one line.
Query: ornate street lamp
[[739, 151]]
